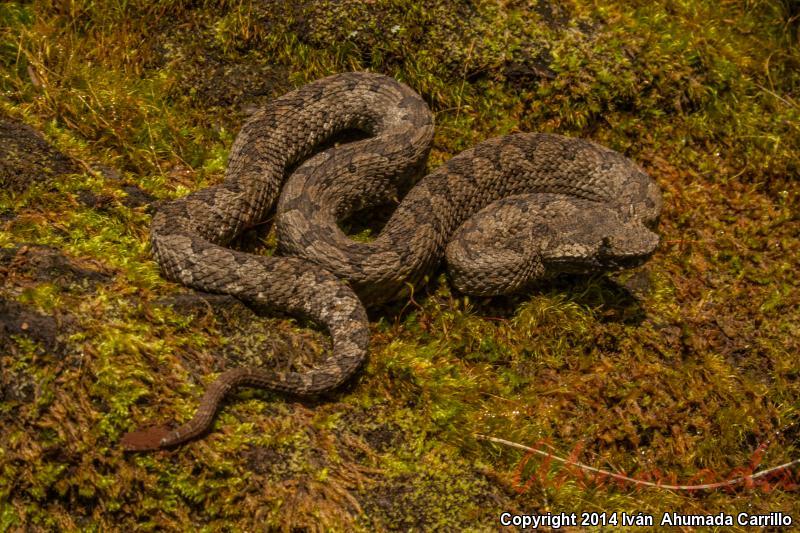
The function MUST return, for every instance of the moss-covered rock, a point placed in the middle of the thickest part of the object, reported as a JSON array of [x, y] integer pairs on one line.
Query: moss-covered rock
[[678, 370], [26, 158]]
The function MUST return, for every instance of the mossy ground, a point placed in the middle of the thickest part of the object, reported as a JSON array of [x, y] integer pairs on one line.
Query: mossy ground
[[684, 365]]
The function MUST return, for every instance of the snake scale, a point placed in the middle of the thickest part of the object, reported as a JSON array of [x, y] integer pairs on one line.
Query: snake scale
[[505, 212]]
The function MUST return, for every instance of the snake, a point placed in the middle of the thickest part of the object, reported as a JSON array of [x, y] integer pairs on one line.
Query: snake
[[503, 214]]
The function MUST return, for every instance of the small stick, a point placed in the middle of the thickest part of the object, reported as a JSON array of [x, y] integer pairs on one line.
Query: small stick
[[705, 486]]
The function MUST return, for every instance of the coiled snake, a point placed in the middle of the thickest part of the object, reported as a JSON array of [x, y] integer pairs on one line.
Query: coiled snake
[[505, 213]]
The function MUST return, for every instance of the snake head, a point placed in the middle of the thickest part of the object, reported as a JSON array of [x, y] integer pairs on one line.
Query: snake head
[[599, 238], [628, 245]]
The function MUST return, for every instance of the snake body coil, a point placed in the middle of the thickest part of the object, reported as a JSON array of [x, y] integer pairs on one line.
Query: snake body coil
[[542, 203]]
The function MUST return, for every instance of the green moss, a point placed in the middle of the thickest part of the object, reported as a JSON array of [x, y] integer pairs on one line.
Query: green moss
[[682, 365]]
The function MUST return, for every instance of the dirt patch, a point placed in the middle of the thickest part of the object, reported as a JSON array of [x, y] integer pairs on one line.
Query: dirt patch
[[251, 336], [382, 436], [210, 76], [217, 83], [554, 14], [38, 263], [25, 334], [282, 462], [411, 502], [529, 65], [135, 197], [22, 321], [387, 34], [26, 158]]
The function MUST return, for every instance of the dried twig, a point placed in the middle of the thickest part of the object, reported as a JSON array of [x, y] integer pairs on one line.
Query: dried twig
[[605, 473]]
